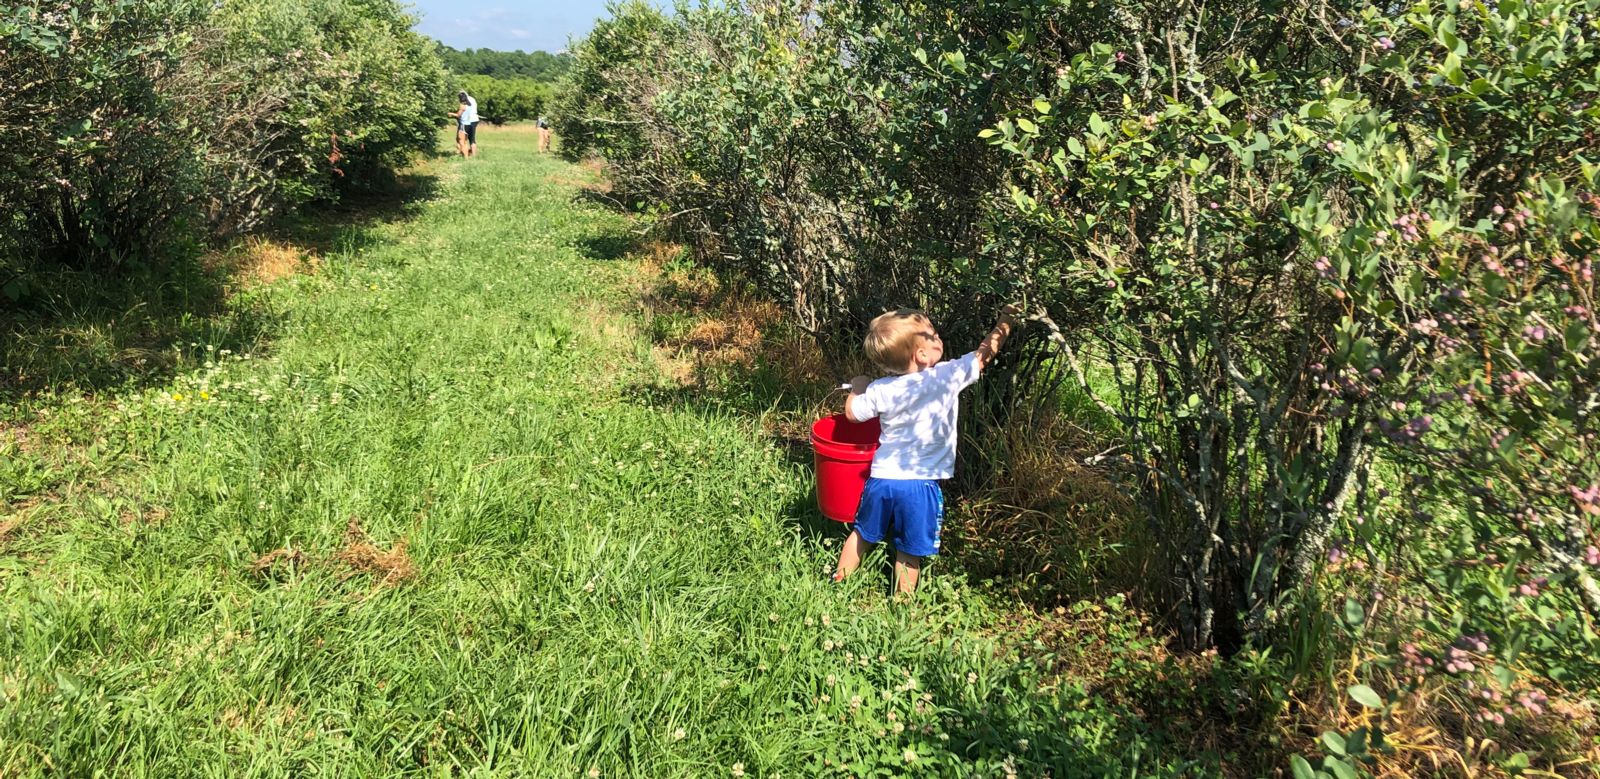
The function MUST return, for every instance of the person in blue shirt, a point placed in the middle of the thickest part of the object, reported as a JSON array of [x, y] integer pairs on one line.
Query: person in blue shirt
[[466, 125]]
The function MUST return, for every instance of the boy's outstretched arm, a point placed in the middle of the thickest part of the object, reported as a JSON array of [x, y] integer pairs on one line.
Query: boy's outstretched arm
[[990, 346]]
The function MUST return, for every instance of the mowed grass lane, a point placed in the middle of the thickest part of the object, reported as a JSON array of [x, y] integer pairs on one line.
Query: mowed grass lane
[[430, 528]]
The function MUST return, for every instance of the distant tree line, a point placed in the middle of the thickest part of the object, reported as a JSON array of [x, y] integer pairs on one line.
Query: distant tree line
[[538, 65]]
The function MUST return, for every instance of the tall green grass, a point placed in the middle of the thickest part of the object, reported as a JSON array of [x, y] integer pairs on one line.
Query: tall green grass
[[604, 584]]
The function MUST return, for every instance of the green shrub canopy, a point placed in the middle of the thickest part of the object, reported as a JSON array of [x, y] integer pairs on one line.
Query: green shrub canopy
[[1324, 270]]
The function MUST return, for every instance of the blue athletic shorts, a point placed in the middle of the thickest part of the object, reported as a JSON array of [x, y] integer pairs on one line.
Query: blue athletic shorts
[[906, 511]]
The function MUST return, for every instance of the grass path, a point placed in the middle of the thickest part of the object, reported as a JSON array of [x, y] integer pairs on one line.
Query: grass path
[[431, 525]]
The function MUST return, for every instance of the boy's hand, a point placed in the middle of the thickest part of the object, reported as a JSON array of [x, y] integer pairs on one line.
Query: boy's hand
[[858, 385], [1008, 315]]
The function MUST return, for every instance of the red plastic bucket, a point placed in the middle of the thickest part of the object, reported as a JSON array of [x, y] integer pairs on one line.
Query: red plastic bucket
[[844, 458]]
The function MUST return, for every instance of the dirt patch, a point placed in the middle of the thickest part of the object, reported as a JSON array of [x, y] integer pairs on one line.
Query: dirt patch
[[361, 557], [18, 435]]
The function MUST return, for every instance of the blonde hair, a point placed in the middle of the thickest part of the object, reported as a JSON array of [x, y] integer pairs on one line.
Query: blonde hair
[[892, 338]]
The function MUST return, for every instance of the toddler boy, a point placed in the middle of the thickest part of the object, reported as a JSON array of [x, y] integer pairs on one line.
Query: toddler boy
[[916, 407]]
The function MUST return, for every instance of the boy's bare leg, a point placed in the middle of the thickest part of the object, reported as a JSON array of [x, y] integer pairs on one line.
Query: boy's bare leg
[[850, 556], [907, 569], [461, 143]]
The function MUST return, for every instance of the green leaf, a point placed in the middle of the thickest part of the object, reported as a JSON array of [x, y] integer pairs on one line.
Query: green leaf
[[1333, 742], [1041, 105], [921, 55], [988, 132], [1575, 336], [1027, 126], [1516, 763], [1301, 768], [1339, 768], [14, 290], [1366, 696], [1452, 70], [1356, 742], [1075, 146]]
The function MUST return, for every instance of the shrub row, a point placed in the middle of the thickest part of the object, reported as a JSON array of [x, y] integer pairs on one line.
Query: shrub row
[[1326, 269], [132, 124]]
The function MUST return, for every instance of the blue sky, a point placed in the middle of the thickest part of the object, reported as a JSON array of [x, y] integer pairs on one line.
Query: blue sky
[[529, 25]]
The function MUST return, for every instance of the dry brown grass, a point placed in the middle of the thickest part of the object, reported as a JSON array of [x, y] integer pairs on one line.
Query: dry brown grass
[[358, 556], [390, 567], [591, 178], [1051, 528], [1433, 733], [278, 563], [732, 329], [257, 260]]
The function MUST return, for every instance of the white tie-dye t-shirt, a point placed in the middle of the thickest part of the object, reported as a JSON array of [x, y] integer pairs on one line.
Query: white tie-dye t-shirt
[[918, 414]]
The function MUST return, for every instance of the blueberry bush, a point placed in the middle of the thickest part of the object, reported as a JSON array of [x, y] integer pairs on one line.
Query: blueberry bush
[[1323, 270], [130, 125]]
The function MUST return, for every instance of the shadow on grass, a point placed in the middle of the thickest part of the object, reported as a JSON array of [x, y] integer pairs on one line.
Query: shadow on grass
[[590, 195], [88, 331], [607, 246]]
